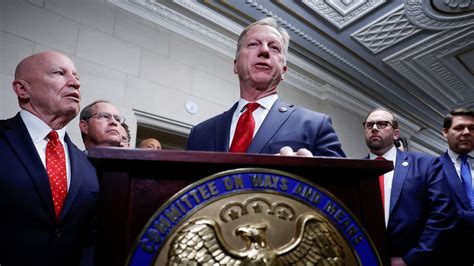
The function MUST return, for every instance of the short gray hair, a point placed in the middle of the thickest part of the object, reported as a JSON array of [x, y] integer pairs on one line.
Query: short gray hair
[[86, 113]]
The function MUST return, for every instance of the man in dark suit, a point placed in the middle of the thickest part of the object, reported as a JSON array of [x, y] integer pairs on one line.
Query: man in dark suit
[[458, 129], [418, 207], [260, 64], [101, 125], [45, 222]]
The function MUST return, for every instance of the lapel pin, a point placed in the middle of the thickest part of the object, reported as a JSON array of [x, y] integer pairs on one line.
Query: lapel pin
[[282, 109], [405, 163]]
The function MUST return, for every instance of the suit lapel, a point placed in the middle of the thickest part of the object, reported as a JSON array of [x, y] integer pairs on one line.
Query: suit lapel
[[453, 180], [399, 176], [20, 141], [275, 118], [76, 176], [222, 129]]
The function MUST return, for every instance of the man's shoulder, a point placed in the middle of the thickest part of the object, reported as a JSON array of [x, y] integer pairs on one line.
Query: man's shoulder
[[421, 155], [208, 122], [303, 110], [421, 158], [12, 123], [217, 118]]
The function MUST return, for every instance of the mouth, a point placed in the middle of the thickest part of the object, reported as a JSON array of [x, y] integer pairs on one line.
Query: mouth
[[375, 137], [113, 131], [75, 96], [263, 66]]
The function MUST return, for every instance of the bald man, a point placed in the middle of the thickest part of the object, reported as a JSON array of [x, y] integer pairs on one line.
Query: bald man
[[150, 143], [48, 188]]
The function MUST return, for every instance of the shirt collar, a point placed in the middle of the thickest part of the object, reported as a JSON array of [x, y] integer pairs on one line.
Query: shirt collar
[[265, 102], [37, 128], [390, 155], [454, 156]]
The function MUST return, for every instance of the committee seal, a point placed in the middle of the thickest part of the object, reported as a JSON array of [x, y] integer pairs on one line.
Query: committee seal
[[253, 216]]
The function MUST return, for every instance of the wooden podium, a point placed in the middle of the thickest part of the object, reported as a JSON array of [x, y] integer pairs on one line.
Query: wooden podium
[[136, 182]]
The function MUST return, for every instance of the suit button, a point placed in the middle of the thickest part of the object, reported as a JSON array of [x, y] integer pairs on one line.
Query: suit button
[[57, 233]]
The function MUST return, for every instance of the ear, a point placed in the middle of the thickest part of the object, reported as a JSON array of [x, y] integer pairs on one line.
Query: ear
[[83, 126], [396, 134], [285, 69], [235, 66], [445, 132], [21, 88]]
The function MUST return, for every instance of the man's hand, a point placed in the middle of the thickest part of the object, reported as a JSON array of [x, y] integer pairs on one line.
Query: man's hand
[[288, 151]]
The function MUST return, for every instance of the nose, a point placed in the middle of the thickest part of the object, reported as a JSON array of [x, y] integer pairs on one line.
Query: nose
[[73, 81], [264, 51], [375, 127]]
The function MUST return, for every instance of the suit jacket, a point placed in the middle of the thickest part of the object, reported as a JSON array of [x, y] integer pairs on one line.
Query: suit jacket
[[285, 125], [422, 212], [464, 232], [30, 233]]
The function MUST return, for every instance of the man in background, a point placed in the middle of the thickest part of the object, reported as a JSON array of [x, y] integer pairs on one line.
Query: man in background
[[125, 135], [260, 122], [100, 125], [458, 129], [418, 207], [48, 188], [150, 143]]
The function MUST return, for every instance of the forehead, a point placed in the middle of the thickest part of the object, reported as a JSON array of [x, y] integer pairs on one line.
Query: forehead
[[151, 142], [462, 119], [264, 32], [56, 60], [105, 107], [380, 115]]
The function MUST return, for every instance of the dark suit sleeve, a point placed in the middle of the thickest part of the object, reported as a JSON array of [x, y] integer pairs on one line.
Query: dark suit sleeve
[[201, 138], [191, 144], [327, 142], [441, 214]]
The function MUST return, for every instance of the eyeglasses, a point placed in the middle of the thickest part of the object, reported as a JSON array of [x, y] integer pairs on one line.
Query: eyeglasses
[[380, 124], [107, 117]]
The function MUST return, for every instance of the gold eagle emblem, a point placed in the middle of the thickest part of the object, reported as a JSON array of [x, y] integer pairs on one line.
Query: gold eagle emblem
[[200, 242]]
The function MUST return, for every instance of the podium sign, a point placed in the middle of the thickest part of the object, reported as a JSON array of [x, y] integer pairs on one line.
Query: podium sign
[[135, 184]]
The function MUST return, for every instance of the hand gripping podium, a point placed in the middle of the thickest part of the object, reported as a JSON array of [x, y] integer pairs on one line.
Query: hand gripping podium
[[136, 183]]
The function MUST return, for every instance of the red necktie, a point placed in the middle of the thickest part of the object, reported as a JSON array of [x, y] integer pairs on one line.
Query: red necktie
[[381, 183], [244, 130], [56, 168]]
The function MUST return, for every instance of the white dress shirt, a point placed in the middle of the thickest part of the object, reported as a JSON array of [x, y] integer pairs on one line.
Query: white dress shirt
[[390, 155], [259, 114], [39, 131], [457, 162]]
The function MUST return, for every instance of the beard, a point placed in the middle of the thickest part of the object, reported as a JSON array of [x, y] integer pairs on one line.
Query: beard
[[375, 145]]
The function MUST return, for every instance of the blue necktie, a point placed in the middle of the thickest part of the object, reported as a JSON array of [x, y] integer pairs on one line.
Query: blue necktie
[[467, 177]]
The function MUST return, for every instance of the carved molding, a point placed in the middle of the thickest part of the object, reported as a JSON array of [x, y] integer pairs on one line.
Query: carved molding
[[428, 65], [386, 31], [453, 6], [424, 15], [204, 12], [342, 13]]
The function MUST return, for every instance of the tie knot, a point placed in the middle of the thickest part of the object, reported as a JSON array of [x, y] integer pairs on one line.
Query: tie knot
[[252, 107], [380, 158], [53, 135], [464, 157]]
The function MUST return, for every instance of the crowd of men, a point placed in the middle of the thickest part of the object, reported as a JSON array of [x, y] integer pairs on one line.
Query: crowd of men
[[49, 189]]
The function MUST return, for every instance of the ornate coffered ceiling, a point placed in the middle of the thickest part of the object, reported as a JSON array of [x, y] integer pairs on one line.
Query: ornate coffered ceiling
[[415, 57]]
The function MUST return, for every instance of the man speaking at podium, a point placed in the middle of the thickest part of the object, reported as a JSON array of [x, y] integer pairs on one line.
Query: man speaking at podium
[[259, 122]]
